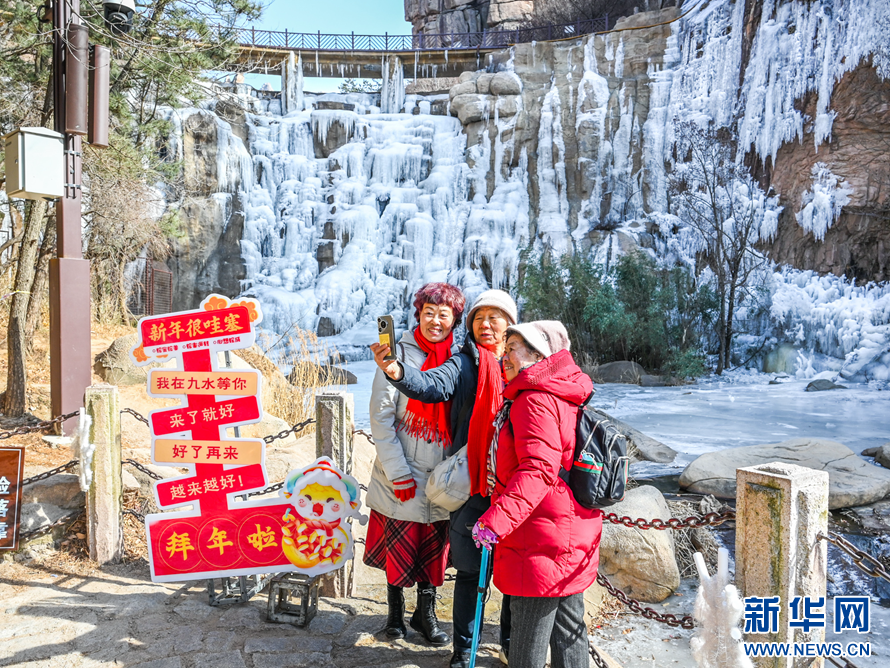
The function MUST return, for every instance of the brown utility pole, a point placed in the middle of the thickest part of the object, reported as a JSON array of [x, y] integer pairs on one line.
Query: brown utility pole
[[69, 272]]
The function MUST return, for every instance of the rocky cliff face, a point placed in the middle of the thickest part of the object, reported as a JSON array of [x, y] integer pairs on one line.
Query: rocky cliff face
[[456, 16], [605, 106], [206, 254]]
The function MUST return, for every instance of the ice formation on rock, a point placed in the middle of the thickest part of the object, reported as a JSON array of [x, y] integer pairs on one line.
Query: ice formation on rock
[[822, 205]]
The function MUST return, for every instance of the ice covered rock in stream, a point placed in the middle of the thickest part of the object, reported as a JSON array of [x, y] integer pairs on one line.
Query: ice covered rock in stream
[[851, 480]]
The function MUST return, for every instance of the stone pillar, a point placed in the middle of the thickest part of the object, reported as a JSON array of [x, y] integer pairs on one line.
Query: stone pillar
[[334, 438], [781, 509], [105, 496]]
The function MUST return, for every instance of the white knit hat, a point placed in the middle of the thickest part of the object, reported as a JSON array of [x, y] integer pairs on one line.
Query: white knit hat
[[498, 299], [548, 337]]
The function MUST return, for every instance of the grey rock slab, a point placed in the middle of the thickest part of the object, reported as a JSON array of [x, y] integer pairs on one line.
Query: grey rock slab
[[62, 490], [186, 639], [823, 384], [37, 515], [192, 608], [219, 660], [156, 622], [170, 662], [220, 640], [105, 633], [287, 644], [640, 562], [291, 660], [140, 604], [247, 617], [328, 623], [647, 448], [882, 456], [851, 480]]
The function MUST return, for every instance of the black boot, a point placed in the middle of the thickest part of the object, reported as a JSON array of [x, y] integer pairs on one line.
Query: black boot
[[424, 618], [395, 618]]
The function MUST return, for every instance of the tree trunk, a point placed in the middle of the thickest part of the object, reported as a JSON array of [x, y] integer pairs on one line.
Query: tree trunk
[[721, 324], [38, 288], [729, 310], [17, 377]]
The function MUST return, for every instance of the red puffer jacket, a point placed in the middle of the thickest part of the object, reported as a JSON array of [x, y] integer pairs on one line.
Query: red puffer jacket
[[548, 543]]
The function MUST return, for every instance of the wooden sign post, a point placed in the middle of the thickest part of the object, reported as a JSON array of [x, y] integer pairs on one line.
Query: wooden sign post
[[12, 468]]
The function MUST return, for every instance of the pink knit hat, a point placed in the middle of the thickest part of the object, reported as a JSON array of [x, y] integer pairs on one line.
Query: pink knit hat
[[548, 337]]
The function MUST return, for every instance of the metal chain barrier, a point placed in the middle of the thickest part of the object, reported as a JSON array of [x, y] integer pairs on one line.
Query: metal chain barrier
[[28, 535], [139, 467], [129, 511], [136, 415], [846, 662], [685, 622], [597, 659], [364, 433], [300, 426], [51, 472], [875, 569], [270, 488], [693, 522], [40, 426]]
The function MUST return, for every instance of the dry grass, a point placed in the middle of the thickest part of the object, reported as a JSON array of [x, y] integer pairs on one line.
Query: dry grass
[[291, 398], [689, 541]]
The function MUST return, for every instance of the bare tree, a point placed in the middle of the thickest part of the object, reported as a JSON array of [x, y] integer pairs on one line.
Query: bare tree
[[724, 204]]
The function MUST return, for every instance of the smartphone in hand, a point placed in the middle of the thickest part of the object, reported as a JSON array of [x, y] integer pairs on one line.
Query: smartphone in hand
[[386, 334]]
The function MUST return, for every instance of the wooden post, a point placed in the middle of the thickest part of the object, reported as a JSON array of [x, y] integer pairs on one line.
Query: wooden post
[[104, 499], [780, 511], [334, 438]]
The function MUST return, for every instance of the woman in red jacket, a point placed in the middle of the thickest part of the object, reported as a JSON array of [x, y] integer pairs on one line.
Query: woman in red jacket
[[547, 544]]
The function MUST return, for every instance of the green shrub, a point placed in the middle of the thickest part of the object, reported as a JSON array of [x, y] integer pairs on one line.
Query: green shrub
[[639, 311]]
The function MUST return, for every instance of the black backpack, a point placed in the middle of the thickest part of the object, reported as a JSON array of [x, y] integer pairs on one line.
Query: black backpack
[[598, 477]]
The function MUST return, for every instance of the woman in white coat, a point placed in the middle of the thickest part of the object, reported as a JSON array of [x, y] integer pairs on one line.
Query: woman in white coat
[[407, 534]]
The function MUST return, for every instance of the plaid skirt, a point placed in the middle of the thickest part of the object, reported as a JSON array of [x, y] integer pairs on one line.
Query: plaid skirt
[[409, 552]]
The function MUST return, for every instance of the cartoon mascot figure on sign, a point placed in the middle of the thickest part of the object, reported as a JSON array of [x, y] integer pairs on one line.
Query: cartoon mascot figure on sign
[[317, 538]]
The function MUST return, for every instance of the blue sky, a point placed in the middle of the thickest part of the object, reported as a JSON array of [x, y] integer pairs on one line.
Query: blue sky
[[365, 17]]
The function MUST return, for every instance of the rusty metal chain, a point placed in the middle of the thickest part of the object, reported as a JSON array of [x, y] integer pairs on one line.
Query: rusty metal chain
[[129, 511], [51, 472], [136, 465], [692, 522], [364, 433], [28, 535], [136, 415], [876, 569], [846, 662], [40, 426], [597, 659], [270, 488], [685, 622], [300, 426]]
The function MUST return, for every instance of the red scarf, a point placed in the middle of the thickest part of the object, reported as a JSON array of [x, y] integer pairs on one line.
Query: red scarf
[[489, 399], [431, 422]]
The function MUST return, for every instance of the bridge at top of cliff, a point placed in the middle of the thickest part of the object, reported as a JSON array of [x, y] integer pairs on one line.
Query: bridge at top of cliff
[[423, 55]]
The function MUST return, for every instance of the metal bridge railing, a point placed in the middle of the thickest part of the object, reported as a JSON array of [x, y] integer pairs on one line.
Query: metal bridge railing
[[487, 39]]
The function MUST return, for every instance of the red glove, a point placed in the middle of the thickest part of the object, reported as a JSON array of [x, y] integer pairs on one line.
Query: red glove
[[405, 489]]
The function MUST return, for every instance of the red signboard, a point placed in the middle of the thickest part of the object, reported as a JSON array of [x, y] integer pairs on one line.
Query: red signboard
[[12, 468], [221, 535]]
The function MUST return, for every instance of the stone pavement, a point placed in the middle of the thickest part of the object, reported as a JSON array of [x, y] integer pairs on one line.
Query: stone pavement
[[118, 617]]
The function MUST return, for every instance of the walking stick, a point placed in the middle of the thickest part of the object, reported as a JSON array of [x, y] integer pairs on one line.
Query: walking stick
[[480, 605]]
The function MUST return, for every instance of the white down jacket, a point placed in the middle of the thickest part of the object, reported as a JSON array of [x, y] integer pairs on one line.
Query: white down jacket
[[399, 454]]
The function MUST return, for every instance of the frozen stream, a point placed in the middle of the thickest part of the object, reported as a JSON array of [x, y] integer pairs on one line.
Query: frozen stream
[[739, 409]]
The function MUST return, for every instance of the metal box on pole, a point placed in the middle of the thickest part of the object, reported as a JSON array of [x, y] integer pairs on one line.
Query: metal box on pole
[[35, 163]]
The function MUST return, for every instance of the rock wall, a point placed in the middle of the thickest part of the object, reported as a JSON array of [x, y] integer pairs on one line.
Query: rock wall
[[456, 16], [206, 254], [605, 105]]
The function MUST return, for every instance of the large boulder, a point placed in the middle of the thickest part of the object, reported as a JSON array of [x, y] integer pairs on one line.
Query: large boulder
[[468, 108], [822, 384], [851, 480], [61, 490], [114, 366], [641, 446], [505, 83], [620, 372], [640, 562]]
